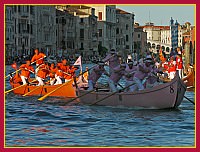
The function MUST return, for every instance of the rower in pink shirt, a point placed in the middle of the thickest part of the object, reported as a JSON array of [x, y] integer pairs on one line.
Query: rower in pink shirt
[[113, 60], [116, 75], [129, 74], [96, 74], [142, 72]]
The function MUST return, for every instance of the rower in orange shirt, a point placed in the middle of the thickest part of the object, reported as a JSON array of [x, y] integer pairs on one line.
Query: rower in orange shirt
[[38, 58], [62, 71], [25, 71], [42, 73], [52, 73]]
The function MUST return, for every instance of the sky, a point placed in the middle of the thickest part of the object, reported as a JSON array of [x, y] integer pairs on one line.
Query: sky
[[161, 14]]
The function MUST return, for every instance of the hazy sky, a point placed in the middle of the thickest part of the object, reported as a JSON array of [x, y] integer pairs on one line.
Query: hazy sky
[[161, 14]]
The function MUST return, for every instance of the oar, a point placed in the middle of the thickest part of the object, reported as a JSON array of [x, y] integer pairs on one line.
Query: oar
[[12, 73], [20, 69], [112, 94], [46, 95], [37, 87], [43, 97], [189, 100], [80, 96], [18, 87]]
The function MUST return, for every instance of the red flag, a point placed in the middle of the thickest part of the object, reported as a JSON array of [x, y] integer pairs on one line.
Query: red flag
[[14, 66]]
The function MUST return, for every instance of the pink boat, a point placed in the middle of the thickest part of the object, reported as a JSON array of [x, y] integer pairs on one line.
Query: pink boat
[[166, 95]]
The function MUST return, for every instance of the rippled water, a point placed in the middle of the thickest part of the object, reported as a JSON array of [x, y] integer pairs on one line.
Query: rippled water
[[33, 123]]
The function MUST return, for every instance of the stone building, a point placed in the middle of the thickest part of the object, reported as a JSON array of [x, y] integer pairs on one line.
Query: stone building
[[45, 28], [81, 34], [124, 32], [174, 34], [23, 22], [139, 40], [9, 32], [106, 34]]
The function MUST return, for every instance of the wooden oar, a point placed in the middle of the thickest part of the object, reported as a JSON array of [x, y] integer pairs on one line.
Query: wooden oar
[[37, 87], [18, 87], [189, 100], [112, 94], [43, 97], [46, 95], [20, 69], [80, 96], [12, 73]]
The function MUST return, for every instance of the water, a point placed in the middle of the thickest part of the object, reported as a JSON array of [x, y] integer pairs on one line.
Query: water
[[33, 123]]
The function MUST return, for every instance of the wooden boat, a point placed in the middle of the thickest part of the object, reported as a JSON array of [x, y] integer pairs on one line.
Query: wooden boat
[[65, 91], [166, 95], [189, 79]]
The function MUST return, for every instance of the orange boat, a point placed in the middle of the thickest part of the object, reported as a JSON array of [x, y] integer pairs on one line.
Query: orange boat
[[65, 91]]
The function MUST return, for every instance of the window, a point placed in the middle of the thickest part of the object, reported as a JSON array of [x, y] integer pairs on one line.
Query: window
[[138, 35], [82, 46], [82, 33], [126, 38], [117, 31], [100, 33], [126, 26], [117, 20], [81, 20], [100, 16]]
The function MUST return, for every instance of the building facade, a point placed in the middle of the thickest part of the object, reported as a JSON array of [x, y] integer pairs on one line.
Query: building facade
[[139, 40], [124, 32], [45, 28], [106, 26], [9, 32], [174, 34]]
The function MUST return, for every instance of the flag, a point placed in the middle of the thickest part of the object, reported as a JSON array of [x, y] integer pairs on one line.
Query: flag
[[14, 66], [78, 62]]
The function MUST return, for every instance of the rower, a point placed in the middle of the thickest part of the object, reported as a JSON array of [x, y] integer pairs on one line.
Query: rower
[[38, 58], [113, 60], [116, 75], [129, 74], [172, 68], [179, 63], [42, 73], [96, 74], [52, 73], [62, 72], [142, 72], [26, 69]]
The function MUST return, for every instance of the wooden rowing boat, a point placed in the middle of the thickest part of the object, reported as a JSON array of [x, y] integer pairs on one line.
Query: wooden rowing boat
[[66, 91], [189, 79], [166, 95]]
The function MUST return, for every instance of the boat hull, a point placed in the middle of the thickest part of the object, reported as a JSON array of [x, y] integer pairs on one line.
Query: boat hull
[[65, 91], [167, 95]]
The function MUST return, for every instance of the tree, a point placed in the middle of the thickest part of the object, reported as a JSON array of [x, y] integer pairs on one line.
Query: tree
[[102, 50]]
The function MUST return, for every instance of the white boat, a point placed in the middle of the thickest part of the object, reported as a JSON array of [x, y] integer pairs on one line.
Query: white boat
[[166, 95]]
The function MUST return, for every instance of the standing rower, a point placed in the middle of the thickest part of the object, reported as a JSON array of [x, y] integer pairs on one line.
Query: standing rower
[[39, 59], [113, 60]]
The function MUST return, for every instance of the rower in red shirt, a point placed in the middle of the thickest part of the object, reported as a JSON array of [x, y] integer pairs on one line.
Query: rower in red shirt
[[179, 63], [172, 68], [25, 71]]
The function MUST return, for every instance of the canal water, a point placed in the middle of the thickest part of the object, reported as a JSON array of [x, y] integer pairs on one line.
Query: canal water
[[29, 122]]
